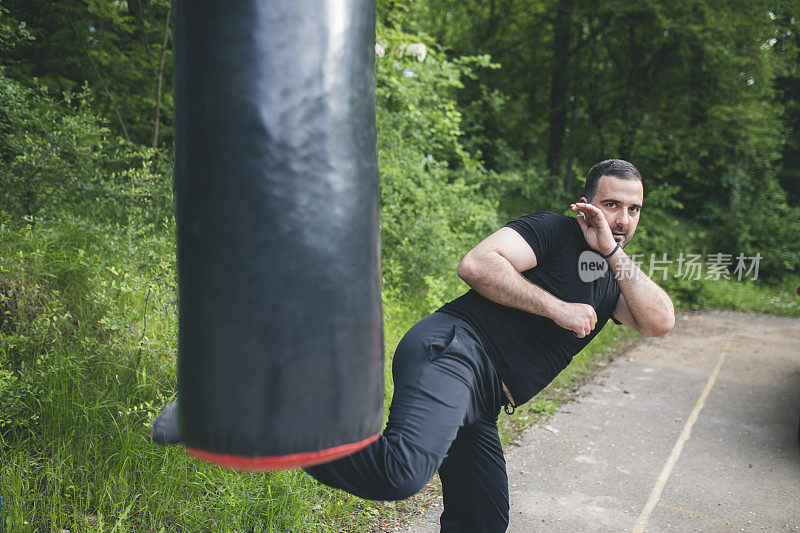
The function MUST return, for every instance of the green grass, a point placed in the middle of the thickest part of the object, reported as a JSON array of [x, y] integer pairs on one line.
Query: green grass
[[87, 353], [87, 357], [745, 296], [127, 485]]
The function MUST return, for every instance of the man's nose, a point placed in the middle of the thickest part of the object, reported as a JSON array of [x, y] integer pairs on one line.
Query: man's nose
[[622, 218]]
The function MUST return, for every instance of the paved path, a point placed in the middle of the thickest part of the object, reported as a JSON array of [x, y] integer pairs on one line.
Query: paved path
[[695, 431]]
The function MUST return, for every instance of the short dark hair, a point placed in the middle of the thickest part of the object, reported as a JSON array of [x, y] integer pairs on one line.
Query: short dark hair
[[610, 167]]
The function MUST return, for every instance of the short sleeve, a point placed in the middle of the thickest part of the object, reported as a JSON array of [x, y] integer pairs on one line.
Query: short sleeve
[[544, 232]]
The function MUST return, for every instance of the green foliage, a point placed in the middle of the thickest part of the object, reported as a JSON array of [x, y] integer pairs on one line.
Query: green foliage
[[59, 157], [762, 222], [785, 46], [431, 212], [11, 33], [122, 48], [701, 96]]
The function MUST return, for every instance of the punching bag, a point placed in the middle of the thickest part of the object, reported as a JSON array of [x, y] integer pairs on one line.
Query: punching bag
[[280, 358]]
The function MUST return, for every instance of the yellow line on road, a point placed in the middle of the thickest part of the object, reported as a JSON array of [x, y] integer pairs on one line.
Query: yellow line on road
[[655, 494], [684, 510]]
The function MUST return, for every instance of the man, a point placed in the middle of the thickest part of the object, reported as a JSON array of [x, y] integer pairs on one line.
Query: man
[[541, 288]]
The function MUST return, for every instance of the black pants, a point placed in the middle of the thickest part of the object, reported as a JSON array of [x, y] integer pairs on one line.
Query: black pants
[[443, 415]]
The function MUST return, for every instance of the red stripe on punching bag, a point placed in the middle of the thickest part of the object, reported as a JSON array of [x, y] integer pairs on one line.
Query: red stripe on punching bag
[[279, 462]]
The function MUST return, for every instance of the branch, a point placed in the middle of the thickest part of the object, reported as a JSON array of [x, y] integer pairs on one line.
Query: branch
[[160, 77], [163, 156], [103, 83], [144, 38], [146, 323]]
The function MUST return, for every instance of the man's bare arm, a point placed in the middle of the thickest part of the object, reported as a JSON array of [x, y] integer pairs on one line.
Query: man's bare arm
[[643, 305], [493, 269]]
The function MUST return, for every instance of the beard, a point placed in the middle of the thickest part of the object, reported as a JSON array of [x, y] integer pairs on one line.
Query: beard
[[626, 238]]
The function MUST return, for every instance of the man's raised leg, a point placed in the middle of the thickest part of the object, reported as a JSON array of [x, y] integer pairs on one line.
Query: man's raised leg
[[440, 379]]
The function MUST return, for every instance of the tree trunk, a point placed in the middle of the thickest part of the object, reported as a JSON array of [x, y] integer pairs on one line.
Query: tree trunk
[[102, 82], [631, 111], [159, 79], [735, 199], [569, 174], [559, 88]]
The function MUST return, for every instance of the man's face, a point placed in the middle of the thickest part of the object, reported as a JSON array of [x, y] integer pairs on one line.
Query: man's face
[[620, 200]]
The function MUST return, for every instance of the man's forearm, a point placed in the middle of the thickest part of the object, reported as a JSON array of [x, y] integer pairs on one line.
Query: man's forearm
[[496, 279], [649, 304]]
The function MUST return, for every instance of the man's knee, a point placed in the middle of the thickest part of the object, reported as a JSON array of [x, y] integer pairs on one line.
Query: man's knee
[[406, 468], [406, 484]]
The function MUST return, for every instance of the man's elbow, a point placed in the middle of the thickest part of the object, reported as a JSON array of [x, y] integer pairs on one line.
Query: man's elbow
[[663, 326], [663, 329], [467, 268]]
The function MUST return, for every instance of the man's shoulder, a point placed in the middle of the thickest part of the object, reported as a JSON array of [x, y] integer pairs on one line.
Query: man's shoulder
[[548, 233], [546, 215], [552, 219]]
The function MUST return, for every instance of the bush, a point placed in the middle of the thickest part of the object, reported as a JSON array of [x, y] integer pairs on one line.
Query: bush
[[431, 212], [58, 157]]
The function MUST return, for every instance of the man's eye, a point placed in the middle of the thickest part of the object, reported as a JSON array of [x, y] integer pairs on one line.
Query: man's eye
[[634, 209], [612, 205]]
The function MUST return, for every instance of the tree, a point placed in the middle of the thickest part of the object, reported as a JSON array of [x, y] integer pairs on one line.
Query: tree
[[123, 49]]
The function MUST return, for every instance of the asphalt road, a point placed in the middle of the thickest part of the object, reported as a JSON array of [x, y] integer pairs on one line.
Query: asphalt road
[[694, 431]]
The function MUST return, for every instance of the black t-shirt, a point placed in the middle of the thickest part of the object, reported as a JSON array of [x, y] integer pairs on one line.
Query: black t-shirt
[[530, 350]]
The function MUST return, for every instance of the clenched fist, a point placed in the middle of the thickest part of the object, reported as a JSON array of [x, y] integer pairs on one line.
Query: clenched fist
[[579, 318]]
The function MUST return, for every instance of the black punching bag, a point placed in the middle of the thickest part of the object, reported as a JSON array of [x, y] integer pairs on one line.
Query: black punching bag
[[280, 359]]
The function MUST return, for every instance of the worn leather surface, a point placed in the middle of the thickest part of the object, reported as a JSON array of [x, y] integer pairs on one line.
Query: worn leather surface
[[280, 334]]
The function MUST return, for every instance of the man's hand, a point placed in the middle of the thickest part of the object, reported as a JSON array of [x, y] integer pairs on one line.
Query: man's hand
[[595, 228], [579, 318]]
